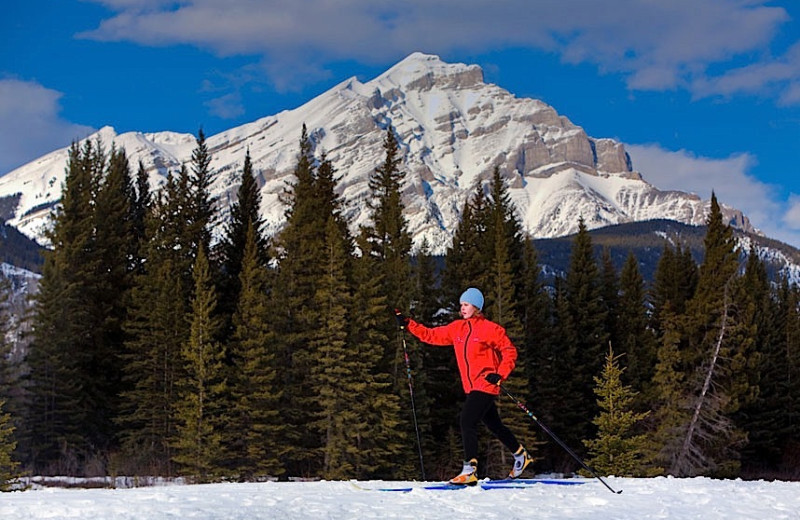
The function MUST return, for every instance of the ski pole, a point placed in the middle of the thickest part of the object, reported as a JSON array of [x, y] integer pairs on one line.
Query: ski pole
[[411, 392], [555, 438]]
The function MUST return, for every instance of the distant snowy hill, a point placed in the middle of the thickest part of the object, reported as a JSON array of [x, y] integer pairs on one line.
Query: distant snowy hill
[[453, 130]]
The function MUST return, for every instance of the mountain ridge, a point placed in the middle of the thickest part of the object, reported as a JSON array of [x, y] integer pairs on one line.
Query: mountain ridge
[[453, 130]]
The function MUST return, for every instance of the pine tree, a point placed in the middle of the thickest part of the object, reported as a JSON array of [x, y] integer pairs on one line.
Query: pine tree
[[553, 390], [609, 282], [438, 371], [503, 219], [11, 365], [115, 247], [311, 201], [538, 332], [467, 257], [756, 313], [64, 324], [201, 407], [671, 406], [675, 282], [245, 213], [156, 329], [390, 238], [202, 205], [336, 374], [390, 241], [142, 206], [583, 336], [380, 411], [789, 385], [255, 430], [617, 450], [390, 244], [718, 352], [8, 466], [635, 338]]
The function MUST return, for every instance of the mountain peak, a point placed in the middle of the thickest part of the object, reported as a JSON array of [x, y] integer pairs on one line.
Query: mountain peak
[[425, 70], [453, 130]]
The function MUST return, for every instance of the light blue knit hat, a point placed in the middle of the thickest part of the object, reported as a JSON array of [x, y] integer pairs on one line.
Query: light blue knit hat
[[472, 296]]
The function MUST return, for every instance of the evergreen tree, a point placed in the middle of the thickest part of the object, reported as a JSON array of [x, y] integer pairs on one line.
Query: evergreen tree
[[115, 246], [301, 267], [201, 406], [757, 313], [609, 283], [390, 243], [717, 358], [336, 374], [202, 206], [675, 282], [538, 331], [11, 368], [635, 338], [467, 257], [789, 384], [671, 406], [245, 213], [157, 329], [553, 390], [771, 420], [58, 428], [379, 408], [390, 238], [255, 432], [584, 336], [617, 450], [435, 379], [142, 206], [503, 219], [53, 417], [8, 466]]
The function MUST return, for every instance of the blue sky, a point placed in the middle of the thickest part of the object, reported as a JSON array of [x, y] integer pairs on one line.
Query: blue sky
[[704, 93]]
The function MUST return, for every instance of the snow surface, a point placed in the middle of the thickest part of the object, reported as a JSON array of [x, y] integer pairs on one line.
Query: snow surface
[[656, 498]]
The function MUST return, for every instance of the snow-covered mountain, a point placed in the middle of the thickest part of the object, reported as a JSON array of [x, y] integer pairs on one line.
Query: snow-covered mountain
[[453, 130]]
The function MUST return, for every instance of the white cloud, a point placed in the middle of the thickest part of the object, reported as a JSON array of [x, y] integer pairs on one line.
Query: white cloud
[[655, 45], [685, 171], [228, 106], [729, 179], [30, 123], [779, 77], [791, 218]]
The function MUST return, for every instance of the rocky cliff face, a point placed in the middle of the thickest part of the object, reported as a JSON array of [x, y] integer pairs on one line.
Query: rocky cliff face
[[453, 130]]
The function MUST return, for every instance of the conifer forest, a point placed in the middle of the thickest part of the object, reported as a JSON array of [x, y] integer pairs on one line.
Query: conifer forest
[[157, 348]]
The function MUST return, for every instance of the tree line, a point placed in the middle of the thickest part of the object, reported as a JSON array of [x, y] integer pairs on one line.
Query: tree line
[[159, 349]]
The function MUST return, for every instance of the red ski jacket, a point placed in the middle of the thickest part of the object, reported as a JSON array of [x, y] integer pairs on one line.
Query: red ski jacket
[[481, 347]]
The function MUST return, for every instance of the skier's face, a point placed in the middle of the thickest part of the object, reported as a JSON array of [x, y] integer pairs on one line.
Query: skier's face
[[468, 310]]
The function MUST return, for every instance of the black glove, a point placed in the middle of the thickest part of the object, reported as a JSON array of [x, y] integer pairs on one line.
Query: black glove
[[494, 378], [402, 321]]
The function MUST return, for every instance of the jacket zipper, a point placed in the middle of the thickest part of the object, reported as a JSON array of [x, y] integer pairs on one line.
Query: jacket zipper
[[466, 359]]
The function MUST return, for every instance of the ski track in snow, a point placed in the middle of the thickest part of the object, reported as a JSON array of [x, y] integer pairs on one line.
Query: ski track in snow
[[657, 498]]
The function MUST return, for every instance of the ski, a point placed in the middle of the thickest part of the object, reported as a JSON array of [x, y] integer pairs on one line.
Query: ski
[[524, 482], [489, 485]]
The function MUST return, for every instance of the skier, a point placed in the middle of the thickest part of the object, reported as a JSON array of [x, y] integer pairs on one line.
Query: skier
[[485, 357]]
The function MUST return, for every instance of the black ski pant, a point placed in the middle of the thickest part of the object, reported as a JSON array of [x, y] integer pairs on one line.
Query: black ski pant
[[480, 406]]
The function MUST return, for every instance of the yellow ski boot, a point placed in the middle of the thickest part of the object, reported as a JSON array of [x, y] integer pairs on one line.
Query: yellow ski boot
[[468, 475]]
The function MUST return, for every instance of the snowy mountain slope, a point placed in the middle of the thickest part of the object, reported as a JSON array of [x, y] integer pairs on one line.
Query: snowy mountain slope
[[453, 130], [646, 239]]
